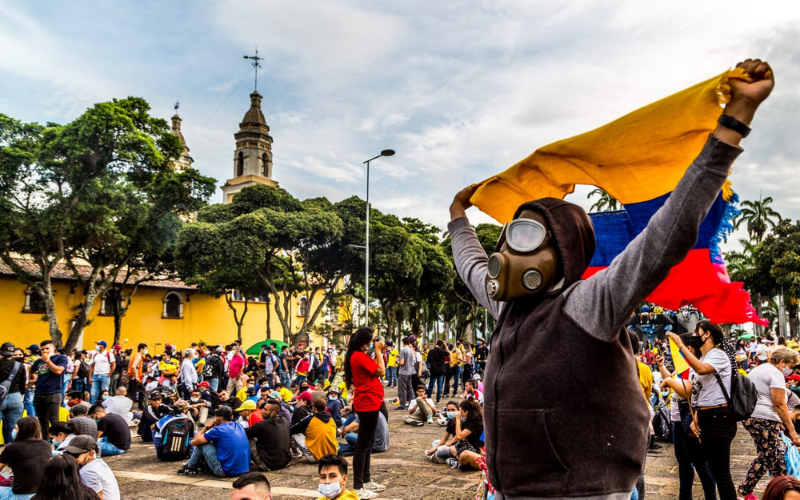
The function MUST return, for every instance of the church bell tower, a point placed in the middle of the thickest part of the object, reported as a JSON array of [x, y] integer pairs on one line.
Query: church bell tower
[[252, 159]]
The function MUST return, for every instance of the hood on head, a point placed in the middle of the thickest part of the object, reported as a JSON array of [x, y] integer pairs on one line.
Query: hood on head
[[572, 230]]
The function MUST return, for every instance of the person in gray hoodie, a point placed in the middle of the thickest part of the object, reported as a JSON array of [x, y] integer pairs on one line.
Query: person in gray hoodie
[[539, 442]]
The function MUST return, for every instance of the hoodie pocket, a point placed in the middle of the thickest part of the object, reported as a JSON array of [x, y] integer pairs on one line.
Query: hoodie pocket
[[527, 462]]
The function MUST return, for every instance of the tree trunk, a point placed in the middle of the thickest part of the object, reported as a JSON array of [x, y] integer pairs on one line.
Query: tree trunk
[[791, 307], [239, 321], [269, 317]]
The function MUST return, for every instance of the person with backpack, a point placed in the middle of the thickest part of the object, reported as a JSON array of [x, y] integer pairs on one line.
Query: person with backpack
[[173, 433], [12, 383], [135, 373], [213, 370], [103, 365], [714, 422], [764, 425], [80, 375]]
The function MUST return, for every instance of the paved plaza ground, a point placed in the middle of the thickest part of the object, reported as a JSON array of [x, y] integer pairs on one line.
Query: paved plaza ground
[[403, 469]]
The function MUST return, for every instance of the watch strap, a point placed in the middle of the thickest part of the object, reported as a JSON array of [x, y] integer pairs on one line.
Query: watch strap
[[732, 123]]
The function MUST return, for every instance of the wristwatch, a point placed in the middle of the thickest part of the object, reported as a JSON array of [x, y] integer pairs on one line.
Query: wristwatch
[[732, 123]]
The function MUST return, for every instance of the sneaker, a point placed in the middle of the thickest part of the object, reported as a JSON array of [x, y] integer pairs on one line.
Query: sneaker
[[429, 420], [364, 493], [452, 462], [418, 423], [297, 454], [401, 407], [188, 471], [373, 486]]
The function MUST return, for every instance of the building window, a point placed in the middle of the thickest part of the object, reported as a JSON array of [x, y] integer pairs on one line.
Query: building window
[[302, 306], [265, 165], [33, 302], [173, 306], [107, 303], [240, 165]]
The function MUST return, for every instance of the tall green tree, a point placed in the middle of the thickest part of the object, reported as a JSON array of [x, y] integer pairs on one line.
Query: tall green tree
[[758, 217], [81, 194], [778, 268]]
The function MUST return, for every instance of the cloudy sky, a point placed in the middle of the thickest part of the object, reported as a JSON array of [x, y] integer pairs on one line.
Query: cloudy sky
[[461, 90]]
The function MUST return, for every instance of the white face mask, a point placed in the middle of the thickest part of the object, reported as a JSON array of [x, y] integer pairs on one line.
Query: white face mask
[[330, 490], [786, 371], [195, 400]]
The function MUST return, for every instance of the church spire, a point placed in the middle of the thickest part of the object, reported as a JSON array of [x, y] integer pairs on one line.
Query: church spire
[[185, 161]]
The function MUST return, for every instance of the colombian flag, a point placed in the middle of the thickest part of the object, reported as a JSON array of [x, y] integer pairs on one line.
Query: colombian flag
[[639, 159], [679, 361]]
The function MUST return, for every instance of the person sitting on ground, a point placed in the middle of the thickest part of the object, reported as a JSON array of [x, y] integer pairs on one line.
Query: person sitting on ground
[[61, 433], [120, 404], [27, 456], [198, 407], [421, 409], [302, 407], [84, 425], [472, 392], [782, 488], [222, 446], [350, 433], [225, 399], [251, 486], [335, 405], [270, 447], [469, 430], [95, 472], [173, 433], [62, 481], [315, 434], [333, 479], [440, 451], [113, 434], [249, 414], [285, 393], [153, 412], [75, 398], [284, 412]]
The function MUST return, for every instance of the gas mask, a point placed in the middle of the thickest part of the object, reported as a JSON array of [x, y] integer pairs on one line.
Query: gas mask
[[525, 261]]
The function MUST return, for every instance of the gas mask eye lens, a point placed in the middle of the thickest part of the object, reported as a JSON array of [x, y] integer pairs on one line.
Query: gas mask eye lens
[[525, 235]]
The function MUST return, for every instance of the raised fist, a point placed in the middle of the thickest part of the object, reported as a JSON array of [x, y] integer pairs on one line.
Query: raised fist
[[757, 90]]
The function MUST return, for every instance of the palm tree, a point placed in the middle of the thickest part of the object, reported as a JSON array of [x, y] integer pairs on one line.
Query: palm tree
[[605, 203], [757, 216]]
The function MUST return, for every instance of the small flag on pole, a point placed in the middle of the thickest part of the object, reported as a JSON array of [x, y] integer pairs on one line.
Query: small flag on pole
[[679, 360]]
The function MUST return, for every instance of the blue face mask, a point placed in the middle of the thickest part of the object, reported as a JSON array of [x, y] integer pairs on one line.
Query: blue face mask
[[332, 398], [371, 346], [330, 490], [57, 443], [105, 397], [450, 415], [14, 434], [463, 419]]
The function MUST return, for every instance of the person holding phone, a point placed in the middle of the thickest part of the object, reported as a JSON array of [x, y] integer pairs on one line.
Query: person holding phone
[[364, 373]]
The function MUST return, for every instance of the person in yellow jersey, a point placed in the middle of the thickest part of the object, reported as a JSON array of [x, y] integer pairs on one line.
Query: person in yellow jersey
[[456, 361], [333, 479], [391, 364], [285, 393], [168, 368]]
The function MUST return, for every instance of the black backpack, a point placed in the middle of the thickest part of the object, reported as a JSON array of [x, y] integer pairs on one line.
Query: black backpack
[[743, 397], [175, 438], [6, 384]]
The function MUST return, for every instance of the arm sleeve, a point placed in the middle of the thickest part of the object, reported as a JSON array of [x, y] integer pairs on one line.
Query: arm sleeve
[[602, 303], [301, 426], [776, 381], [93, 481], [471, 261]]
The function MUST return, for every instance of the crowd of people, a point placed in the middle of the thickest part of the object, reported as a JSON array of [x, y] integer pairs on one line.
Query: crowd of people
[[226, 414]]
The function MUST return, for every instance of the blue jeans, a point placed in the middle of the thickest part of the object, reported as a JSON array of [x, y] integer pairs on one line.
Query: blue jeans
[[438, 380], [348, 449], [7, 494], [298, 379], [28, 403], [99, 384], [10, 412], [455, 372], [207, 453], [213, 383], [391, 376], [107, 449], [285, 379]]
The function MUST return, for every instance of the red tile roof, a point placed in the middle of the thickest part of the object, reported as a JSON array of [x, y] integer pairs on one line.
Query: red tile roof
[[62, 272]]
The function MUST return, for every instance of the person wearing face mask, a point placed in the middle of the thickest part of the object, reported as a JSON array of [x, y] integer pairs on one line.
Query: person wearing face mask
[[441, 447], [188, 374], [61, 433], [533, 285], [222, 445], [12, 376], [136, 390], [270, 447], [249, 414], [713, 422], [333, 479], [468, 436], [27, 456], [335, 405], [764, 425], [364, 374], [113, 433], [94, 471]]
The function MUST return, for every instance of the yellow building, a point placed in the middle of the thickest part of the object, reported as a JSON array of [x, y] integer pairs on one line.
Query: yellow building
[[163, 312]]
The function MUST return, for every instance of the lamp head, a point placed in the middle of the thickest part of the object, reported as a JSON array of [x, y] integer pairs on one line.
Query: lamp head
[[387, 152]]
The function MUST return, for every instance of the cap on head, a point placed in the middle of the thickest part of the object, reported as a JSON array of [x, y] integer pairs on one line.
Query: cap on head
[[305, 396], [224, 412], [34, 349], [102, 343], [81, 444], [7, 349], [247, 405]]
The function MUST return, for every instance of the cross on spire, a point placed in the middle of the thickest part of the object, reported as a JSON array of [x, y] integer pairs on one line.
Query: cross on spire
[[256, 64], [177, 105]]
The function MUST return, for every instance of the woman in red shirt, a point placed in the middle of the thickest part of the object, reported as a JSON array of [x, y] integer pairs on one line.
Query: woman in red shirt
[[364, 374]]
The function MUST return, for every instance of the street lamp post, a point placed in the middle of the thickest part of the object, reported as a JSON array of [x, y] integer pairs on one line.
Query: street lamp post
[[385, 152]]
